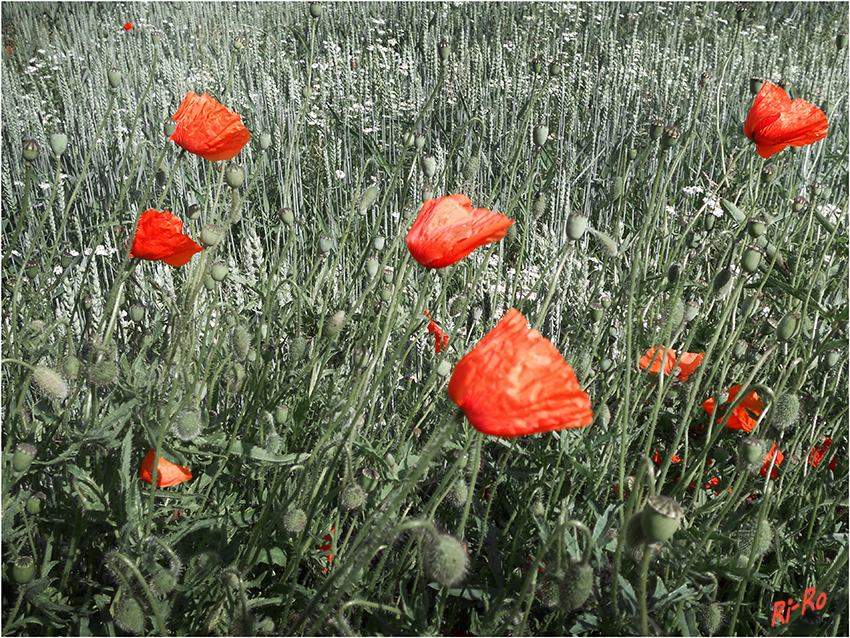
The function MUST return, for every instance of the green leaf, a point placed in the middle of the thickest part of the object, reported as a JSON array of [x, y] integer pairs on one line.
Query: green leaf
[[272, 556], [260, 454]]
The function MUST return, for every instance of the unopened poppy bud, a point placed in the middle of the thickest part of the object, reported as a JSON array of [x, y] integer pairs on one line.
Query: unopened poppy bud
[[128, 615], [634, 539], [616, 188], [673, 273], [721, 282], [540, 135], [756, 227], [831, 358], [114, 77], [188, 425], [23, 570], [768, 174], [748, 536], [632, 154], [708, 222], [741, 12], [104, 372], [386, 292], [238, 44], [750, 260], [428, 192], [334, 324], [326, 244], [428, 164], [137, 312], [35, 502], [704, 78], [367, 199], [161, 178], [219, 271], [209, 283], [378, 242], [576, 585], [316, 9], [799, 203], [710, 618], [360, 357], [656, 127], [739, 349], [549, 588], [670, 137], [50, 383], [234, 175], [554, 70], [211, 235], [751, 451], [445, 559], [538, 207], [240, 340], [576, 225], [841, 41], [353, 497], [372, 267], [306, 91], [692, 239], [419, 141], [265, 140], [785, 412], [286, 216], [788, 325], [58, 143], [31, 150], [660, 518], [444, 48], [23, 457], [409, 138], [596, 312], [155, 36], [163, 582], [471, 166], [459, 493]]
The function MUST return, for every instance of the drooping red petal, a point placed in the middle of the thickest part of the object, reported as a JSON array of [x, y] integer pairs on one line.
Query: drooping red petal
[[447, 229], [767, 459], [515, 382], [168, 473], [209, 129], [745, 415], [159, 237], [688, 362]]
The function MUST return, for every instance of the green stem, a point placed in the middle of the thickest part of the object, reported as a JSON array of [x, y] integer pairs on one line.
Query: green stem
[[641, 595], [22, 217], [476, 464]]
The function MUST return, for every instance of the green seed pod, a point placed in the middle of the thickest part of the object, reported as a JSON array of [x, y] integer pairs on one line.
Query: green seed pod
[[33, 269], [670, 137], [428, 192], [236, 377], [444, 369], [841, 41], [372, 267], [768, 174], [23, 457], [710, 619], [785, 412], [756, 227], [265, 140], [294, 521], [23, 570], [576, 585], [722, 282], [306, 92], [155, 36], [741, 12], [603, 414], [459, 493], [409, 139], [378, 242], [298, 348], [817, 189], [386, 293], [286, 216], [660, 519], [326, 244], [104, 372], [704, 78], [219, 271], [576, 225], [549, 589], [673, 273], [751, 451], [428, 164], [538, 207], [749, 306], [193, 212], [50, 383], [537, 65], [58, 143], [137, 313], [239, 341], [831, 358], [784, 84], [163, 582], [211, 235], [445, 559], [66, 259], [596, 312], [632, 154], [554, 70], [31, 150], [360, 357], [607, 364], [389, 275], [747, 537], [788, 326], [129, 615], [799, 203], [187, 426], [755, 84], [708, 222], [471, 166], [234, 175], [353, 497], [369, 479], [209, 283], [316, 9], [169, 126], [692, 239], [750, 260], [367, 198], [656, 127], [35, 502], [540, 135], [419, 142], [114, 77], [281, 414], [444, 49]]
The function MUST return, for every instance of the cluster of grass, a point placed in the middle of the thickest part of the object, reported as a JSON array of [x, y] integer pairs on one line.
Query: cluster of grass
[[336, 488]]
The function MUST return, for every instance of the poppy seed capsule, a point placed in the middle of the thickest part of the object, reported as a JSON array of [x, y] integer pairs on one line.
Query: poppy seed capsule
[[265, 140], [751, 451], [632, 154], [576, 225], [750, 260], [281, 414], [23, 457], [768, 174], [831, 358], [137, 312], [576, 585], [169, 126], [113, 75], [409, 139], [755, 84], [211, 235], [50, 383], [656, 127], [444, 48], [360, 357], [444, 369], [756, 227], [286, 216], [739, 349], [471, 166], [372, 267], [554, 70], [219, 271], [673, 273], [445, 560], [23, 569], [370, 479], [378, 242], [34, 503], [428, 164], [708, 222], [841, 41], [66, 259], [234, 175], [316, 9], [660, 518], [540, 135], [326, 244], [209, 283], [537, 65], [596, 312], [704, 78], [670, 137], [419, 141], [31, 150], [787, 328], [722, 281], [58, 143], [798, 203]]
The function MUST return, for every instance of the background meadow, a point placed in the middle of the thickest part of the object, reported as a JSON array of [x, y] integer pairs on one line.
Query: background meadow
[[290, 366]]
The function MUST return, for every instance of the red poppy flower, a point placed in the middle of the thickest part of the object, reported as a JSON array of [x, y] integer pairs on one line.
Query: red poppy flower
[[746, 414], [766, 464], [449, 228], [515, 382], [441, 340], [209, 129], [819, 451], [160, 237], [326, 547], [167, 474], [688, 362], [128, 26], [775, 121]]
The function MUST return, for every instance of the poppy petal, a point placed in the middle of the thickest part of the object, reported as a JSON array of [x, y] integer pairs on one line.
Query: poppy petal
[[168, 473], [775, 121], [515, 382], [159, 237], [745, 415], [209, 129]]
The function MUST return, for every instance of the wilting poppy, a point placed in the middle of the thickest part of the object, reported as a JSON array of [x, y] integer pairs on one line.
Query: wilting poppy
[[441, 340], [819, 451], [515, 382], [160, 237], [167, 474], [688, 362], [326, 547], [209, 129], [776, 121], [745, 415], [449, 228], [128, 26]]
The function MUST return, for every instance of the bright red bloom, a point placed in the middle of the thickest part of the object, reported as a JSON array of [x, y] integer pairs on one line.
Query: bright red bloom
[[167, 474], [449, 228], [688, 362], [128, 26], [775, 121], [767, 458], [745, 415], [515, 382], [819, 451], [160, 237], [209, 129]]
